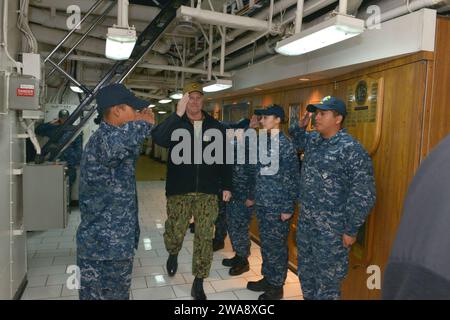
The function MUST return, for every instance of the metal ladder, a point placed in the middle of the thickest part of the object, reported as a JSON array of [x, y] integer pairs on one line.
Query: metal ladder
[[117, 74]]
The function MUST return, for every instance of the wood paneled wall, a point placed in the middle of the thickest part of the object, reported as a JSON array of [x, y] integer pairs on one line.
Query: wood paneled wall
[[416, 117]]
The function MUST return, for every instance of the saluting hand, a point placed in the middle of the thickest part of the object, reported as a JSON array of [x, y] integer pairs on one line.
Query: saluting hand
[[146, 115], [226, 195], [181, 105], [254, 123], [305, 120]]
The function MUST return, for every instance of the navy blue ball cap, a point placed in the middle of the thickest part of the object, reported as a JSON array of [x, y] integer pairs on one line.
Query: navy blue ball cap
[[116, 94], [329, 103], [273, 110]]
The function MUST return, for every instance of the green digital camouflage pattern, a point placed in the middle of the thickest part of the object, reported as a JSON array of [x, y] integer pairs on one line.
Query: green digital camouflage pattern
[[204, 208]]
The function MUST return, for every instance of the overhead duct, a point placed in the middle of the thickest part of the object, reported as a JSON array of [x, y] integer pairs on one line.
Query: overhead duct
[[43, 18], [136, 12], [310, 7]]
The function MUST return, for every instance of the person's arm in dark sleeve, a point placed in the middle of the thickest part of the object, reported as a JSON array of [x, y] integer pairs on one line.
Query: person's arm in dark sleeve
[[300, 136], [162, 133], [45, 129], [125, 143], [290, 176], [226, 170], [362, 193]]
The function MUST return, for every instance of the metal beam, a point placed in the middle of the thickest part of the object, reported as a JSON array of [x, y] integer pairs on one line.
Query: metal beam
[[181, 69], [223, 19]]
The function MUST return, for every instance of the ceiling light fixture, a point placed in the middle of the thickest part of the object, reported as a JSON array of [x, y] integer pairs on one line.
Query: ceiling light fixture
[[217, 85], [338, 28], [164, 101], [76, 89], [162, 112], [121, 38], [176, 95]]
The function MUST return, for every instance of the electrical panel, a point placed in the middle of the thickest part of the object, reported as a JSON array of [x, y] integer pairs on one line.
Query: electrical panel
[[45, 208], [24, 92]]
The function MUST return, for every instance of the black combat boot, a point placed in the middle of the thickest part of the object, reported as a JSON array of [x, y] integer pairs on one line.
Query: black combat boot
[[192, 227], [273, 293], [240, 267], [231, 261], [261, 285], [197, 291], [172, 264]]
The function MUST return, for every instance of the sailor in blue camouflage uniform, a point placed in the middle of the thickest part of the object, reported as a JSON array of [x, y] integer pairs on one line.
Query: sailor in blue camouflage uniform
[[109, 230], [337, 192], [240, 208], [275, 194], [72, 154]]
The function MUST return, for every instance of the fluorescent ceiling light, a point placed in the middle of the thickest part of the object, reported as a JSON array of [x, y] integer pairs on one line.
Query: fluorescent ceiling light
[[76, 89], [163, 101], [217, 85], [160, 112], [331, 31], [176, 95], [152, 105], [120, 43]]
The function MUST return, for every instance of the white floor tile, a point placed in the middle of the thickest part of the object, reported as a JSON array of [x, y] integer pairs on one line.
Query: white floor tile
[[247, 294], [38, 293], [160, 293], [69, 292], [147, 271], [229, 285], [46, 270], [225, 275], [161, 280], [50, 252], [222, 296], [37, 281], [57, 279], [184, 290], [40, 262], [138, 283], [68, 260]]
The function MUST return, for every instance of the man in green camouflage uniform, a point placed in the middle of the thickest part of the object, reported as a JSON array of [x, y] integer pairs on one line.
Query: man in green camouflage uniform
[[192, 184]]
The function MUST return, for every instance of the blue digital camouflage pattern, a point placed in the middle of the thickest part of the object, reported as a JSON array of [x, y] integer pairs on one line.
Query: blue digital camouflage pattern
[[276, 194], [337, 192], [72, 154], [279, 191], [238, 215], [109, 228], [105, 279], [220, 224]]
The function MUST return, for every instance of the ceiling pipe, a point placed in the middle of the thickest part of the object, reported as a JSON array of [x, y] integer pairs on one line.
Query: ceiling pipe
[[299, 16], [137, 12], [58, 23], [261, 52], [310, 7], [181, 69], [223, 19]]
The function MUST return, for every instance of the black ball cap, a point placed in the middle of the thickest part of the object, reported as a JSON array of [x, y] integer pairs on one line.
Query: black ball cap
[[116, 94]]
